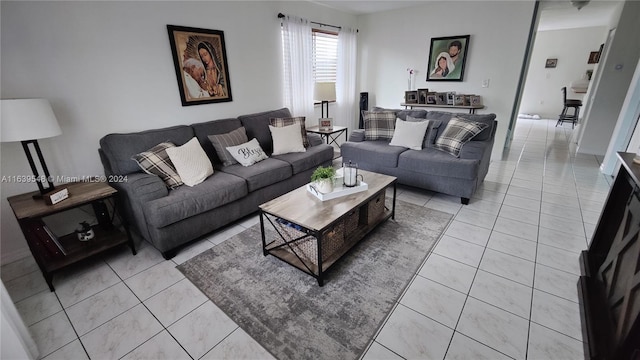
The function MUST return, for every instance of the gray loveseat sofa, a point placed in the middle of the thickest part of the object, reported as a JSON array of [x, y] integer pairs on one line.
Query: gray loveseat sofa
[[170, 218], [429, 168]]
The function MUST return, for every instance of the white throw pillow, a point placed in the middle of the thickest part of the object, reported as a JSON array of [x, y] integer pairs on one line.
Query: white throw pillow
[[248, 153], [191, 162], [409, 134], [286, 139]]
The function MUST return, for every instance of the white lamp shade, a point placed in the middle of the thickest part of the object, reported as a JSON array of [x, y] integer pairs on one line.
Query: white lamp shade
[[27, 119], [324, 91]]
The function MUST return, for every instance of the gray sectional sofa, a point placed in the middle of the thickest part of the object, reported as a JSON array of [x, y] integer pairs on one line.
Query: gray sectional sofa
[[170, 218], [429, 168]]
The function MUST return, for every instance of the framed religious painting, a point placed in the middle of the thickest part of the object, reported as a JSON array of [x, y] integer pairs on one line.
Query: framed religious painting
[[200, 60], [447, 58]]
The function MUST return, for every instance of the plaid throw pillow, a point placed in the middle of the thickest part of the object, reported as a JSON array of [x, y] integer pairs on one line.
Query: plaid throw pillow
[[379, 125], [456, 134], [282, 122], [155, 161], [221, 142]]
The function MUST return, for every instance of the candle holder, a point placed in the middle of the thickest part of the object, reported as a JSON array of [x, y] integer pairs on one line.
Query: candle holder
[[350, 175]]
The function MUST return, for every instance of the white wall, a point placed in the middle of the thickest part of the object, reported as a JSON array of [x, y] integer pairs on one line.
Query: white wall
[[571, 47], [107, 67], [392, 41], [616, 71]]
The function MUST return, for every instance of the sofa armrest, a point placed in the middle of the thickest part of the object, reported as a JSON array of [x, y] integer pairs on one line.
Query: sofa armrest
[[357, 135], [142, 187], [314, 139], [474, 150]]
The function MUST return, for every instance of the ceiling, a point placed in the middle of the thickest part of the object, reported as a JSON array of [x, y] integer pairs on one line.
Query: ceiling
[[555, 15]]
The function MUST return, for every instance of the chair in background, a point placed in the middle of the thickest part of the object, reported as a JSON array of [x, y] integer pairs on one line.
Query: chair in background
[[569, 103]]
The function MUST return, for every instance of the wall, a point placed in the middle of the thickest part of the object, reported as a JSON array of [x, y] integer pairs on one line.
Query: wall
[[571, 47], [393, 41], [107, 67], [616, 71]]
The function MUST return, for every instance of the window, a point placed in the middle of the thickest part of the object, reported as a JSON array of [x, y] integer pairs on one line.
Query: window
[[325, 55]]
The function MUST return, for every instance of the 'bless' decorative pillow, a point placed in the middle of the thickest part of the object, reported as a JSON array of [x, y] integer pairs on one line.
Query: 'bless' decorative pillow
[[222, 141], [248, 153]]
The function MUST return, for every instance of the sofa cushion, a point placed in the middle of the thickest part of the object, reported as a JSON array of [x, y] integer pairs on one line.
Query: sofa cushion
[[434, 162], [432, 131], [191, 162], [312, 158], [181, 203], [456, 134], [259, 175], [257, 126], [403, 113], [377, 151], [379, 125], [156, 161], [409, 134], [282, 122], [248, 153], [286, 139], [215, 127], [120, 148], [221, 142]]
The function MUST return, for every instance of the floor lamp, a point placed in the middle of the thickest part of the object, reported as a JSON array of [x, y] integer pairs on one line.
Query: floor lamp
[[27, 120], [324, 92]]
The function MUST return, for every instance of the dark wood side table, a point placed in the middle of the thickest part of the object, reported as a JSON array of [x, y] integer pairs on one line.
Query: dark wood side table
[[53, 253], [330, 135]]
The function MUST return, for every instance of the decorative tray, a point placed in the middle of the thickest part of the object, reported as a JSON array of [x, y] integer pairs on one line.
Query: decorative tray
[[338, 191]]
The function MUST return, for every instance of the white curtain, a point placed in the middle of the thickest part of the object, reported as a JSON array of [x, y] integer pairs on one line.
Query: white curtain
[[298, 70], [347, 99]]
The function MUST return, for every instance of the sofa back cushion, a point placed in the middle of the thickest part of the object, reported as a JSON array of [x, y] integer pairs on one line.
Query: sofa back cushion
[[215, 127], [257, 126], [120, 148], [402, 114]]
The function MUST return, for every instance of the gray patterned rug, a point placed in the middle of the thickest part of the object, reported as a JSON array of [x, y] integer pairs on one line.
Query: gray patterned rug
[[287, 312]]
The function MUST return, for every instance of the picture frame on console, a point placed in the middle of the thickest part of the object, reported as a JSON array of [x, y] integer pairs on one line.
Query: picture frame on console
[[411, 97], [447, 58], [200, 61], [422, 96]]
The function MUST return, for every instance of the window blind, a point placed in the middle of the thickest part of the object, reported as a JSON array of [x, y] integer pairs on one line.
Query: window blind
[[325, 55]]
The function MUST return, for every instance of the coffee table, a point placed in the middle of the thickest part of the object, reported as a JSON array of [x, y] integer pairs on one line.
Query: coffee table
[[312, 235]]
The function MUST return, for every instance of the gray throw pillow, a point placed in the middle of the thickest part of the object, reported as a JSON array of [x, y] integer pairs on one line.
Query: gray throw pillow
[[432, 131], [222, 141]]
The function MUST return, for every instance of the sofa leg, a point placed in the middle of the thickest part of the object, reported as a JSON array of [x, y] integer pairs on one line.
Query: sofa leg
[[167, 255], [464, 201]]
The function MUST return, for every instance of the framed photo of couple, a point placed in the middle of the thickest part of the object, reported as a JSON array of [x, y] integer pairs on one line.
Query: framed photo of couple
[[447, 57], [200, 60]]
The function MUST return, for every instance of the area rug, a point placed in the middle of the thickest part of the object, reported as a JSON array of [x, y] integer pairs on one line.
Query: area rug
[[292, 317]]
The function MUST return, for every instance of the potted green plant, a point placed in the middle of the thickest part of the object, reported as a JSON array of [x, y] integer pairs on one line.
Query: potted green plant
[[323, 178]]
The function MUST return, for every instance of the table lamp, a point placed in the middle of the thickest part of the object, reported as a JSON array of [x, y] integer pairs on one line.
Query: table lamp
[[324, 92], [27, 120]]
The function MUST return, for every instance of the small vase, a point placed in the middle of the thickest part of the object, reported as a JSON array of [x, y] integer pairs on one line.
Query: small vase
[[409, 84], [324, 186]]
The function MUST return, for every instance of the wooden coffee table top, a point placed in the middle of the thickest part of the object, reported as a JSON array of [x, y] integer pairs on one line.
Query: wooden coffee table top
[[305, 209]]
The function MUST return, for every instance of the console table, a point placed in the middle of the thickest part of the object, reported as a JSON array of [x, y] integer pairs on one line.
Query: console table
[[472, 108], [53, 252], [609, 288]]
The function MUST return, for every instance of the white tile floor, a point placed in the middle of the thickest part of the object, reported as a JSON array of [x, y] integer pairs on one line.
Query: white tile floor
[[500, 283]]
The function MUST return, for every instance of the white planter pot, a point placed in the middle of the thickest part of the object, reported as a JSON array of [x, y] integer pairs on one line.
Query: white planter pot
[[324, 186]]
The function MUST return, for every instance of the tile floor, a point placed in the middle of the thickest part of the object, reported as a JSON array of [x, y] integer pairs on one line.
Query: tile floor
[[499, 284]]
